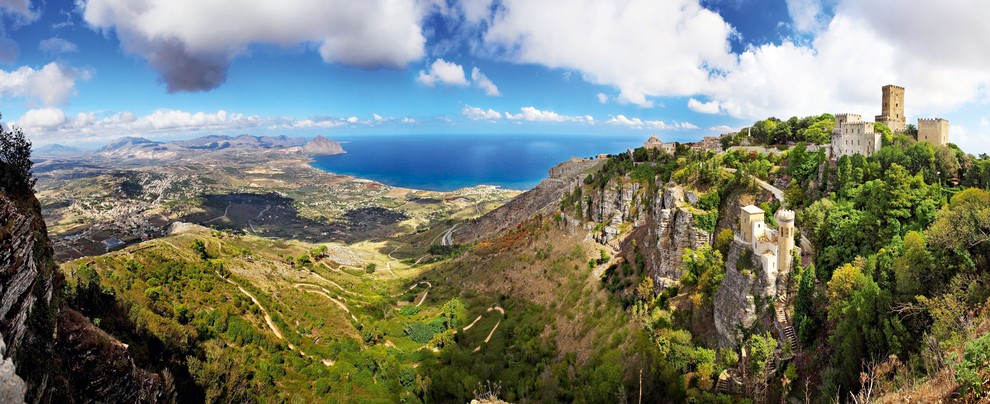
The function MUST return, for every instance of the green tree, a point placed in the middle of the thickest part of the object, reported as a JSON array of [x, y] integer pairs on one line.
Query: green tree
[[723, 241], [805, 315], [913, 269], [15, 162], [200, 248]]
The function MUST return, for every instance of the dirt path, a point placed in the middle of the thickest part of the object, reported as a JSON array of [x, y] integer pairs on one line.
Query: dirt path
[[336, 285], [224, 214], [325, 293], [490, 333], [268, 319]]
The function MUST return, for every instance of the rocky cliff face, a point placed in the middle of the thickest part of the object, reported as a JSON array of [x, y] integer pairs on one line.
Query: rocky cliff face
[[619, 202], [28, 283], [675, 232], [542, 199], [735, 301], [55, 364]]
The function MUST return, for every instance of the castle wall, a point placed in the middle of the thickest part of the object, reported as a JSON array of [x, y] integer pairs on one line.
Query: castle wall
[[934, 131], [852, 136]]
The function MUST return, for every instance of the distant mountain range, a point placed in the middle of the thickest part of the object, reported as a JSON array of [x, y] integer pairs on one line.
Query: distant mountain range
[[136, 147], [56, 150]]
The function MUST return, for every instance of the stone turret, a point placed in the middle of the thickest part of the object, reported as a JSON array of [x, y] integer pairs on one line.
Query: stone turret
[[785, 241]]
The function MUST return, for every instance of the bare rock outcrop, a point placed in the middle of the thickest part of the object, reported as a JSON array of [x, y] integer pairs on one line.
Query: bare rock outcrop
[[74, 361], [27, 286], [675, 232], [542, 199], [99, 366], [735, 301]]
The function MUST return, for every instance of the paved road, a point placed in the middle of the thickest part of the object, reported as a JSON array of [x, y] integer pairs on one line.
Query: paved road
[[448, 237]]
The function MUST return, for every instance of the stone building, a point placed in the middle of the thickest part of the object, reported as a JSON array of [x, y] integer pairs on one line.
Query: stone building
[[853, 136], [892, 111], [654, 143], [934, 131], [708, 143], [772, 247], [757, 266]]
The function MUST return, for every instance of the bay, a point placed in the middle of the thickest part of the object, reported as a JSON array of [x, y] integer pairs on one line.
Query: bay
[[448, 162]]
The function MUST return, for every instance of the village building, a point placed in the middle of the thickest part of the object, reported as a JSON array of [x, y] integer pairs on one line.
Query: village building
[[654, 143]]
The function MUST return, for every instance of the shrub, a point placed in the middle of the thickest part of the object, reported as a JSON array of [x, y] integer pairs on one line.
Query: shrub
[[973, 373], [370, 268]]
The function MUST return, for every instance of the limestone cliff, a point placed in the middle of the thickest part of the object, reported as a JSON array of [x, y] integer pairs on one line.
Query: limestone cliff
[[52, 362], [674, 230], [28, 285], [735, 301], [542, 199], [621, 201]]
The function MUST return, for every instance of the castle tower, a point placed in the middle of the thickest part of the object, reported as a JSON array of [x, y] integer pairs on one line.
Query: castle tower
[[749, 215], [892, 111], [785, 240], [934, 131]]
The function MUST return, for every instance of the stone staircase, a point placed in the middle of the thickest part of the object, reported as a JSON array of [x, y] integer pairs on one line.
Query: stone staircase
[[786, 328]]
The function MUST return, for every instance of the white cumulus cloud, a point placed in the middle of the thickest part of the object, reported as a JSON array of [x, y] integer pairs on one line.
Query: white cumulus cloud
[[478, 114], [644, 48], [191, 43], [42, 118], [483, 82], [443, 72], [602, 98], [532, 114], [51, 85], [710, 107], [637, 123]]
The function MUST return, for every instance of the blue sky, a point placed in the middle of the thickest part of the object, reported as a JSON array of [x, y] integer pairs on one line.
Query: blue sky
[[89, 71]]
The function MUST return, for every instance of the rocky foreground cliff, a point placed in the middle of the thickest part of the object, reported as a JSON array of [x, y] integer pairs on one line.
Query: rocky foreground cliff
[[51, 353]]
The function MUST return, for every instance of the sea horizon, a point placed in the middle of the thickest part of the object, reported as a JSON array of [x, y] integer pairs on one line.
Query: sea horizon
[[446, 162]]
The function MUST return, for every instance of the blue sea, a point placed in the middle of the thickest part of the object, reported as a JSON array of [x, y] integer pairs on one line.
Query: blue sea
[[449, 162]]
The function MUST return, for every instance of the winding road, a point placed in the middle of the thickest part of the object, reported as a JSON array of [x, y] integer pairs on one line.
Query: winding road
[[221, 217], [325, 293], [271, 324], [490, 333]]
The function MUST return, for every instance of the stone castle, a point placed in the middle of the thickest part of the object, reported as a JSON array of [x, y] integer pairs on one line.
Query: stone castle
[[758, 264], [853, 136], [771, 247]]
